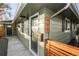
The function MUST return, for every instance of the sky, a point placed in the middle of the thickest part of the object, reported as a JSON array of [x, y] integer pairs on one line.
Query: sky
[[13, 7], [78, 6]]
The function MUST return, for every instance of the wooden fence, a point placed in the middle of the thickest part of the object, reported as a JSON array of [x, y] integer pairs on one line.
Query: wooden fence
[[55, 48]]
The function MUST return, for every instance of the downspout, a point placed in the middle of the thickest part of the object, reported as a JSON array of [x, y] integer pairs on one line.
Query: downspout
[[67, 5]]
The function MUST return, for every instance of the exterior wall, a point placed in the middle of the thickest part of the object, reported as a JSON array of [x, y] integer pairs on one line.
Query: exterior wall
[[73, 31], [41, 50], [24, 37], [56, 30], [41, 45], [41, 30]]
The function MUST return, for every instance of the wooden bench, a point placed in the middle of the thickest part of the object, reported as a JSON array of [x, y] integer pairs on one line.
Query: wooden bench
[[55, 48]]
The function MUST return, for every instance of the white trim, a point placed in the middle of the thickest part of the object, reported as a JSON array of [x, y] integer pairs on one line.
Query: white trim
[[61, 10], [31, 34], [66, 30], [20, 7]]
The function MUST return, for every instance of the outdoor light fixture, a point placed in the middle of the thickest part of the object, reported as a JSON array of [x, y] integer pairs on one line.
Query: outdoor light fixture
[[22, 16]]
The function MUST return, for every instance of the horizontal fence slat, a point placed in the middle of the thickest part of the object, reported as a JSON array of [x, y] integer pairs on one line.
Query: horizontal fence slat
[[60, 49], [65, 53]]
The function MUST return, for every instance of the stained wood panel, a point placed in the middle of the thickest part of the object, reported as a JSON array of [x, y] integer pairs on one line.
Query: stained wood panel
[[55, 48], [2, 30]]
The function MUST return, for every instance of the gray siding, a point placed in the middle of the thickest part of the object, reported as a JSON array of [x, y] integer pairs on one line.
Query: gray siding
[[41, 51], [24, 40], [24, 37], [56, 30]]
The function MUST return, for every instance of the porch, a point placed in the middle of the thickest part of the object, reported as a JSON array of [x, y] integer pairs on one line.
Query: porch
[[16, 48], [35, 23]]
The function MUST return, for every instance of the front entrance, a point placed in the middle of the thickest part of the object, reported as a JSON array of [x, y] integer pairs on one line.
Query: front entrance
[[9, 30], [33, 34]]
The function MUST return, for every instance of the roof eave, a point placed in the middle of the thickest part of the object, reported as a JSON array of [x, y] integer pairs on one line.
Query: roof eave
[[18, 11]]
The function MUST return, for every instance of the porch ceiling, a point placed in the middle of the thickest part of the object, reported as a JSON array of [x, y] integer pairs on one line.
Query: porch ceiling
[[32, 8]]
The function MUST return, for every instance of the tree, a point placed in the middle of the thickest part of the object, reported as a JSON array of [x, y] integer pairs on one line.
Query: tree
[[5, 10]]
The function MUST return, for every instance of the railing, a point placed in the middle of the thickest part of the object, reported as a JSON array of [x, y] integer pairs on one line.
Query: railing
[[55, 48]]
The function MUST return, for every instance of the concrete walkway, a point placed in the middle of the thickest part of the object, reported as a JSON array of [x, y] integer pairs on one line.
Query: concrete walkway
[[16, 48]]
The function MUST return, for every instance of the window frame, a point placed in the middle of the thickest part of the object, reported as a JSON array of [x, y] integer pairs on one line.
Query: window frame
[[66, 23]]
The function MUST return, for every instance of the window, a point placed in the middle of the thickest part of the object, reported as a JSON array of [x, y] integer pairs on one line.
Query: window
[[23, 27], [66, 25], [19, 26], [74, 26]]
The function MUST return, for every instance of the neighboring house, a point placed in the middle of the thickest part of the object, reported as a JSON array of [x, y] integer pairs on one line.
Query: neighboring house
[[3, 19], [6, 28], [36, 22]]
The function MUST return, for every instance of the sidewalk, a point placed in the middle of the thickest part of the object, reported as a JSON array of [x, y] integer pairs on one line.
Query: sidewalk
[[16, 48]]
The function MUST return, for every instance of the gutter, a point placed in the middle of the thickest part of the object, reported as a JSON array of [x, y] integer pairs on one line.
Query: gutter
[[67, 5], [19, 10], [74, 9]]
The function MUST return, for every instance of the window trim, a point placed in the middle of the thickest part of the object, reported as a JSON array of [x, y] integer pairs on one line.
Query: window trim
[[65, 23]]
